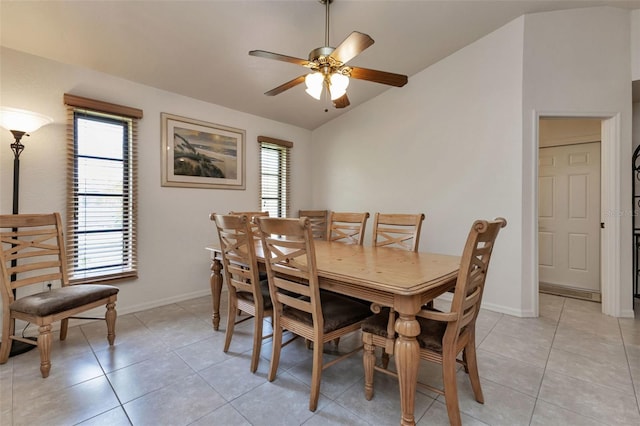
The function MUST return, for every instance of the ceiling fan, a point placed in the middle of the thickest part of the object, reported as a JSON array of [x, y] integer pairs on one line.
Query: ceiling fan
[[329, 72]]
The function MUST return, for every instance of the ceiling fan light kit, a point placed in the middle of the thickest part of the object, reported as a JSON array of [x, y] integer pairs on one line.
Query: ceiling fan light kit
[[329, 72]]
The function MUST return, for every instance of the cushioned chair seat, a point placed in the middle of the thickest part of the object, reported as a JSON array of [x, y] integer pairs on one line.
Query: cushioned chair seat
[[264, 289], [338, 312], [62, 299], [431, 332], [377, 324]]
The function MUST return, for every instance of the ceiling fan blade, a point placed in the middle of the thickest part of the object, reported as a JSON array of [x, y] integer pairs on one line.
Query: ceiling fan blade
[[342, 102], [383, 77], [279, 57], [286, 86], [352, 46]]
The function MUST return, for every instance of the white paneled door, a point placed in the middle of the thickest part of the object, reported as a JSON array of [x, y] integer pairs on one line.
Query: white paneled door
[[569, 216]]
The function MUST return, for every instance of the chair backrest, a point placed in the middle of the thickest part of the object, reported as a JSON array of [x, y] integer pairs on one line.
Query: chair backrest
[[397, 230], [252, 220], [347, 227], [237, 244], [474, 266], [318, 219], [290, 257], [32, 252]]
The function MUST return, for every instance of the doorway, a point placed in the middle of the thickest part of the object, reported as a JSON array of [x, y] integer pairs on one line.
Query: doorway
[[569, 207]]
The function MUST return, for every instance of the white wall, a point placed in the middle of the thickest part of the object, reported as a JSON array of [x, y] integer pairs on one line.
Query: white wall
[[448, 144], [576, 63], [174, 226], [458, 141], [635, 44]]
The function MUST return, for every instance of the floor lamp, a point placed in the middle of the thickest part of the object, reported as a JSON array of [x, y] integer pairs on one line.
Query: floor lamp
[[20, 123]]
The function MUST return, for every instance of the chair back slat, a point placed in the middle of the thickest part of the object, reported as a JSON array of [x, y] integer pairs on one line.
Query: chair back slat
[[318, 219], [397, 230], [291, 265], [347, 228], [32, 251]]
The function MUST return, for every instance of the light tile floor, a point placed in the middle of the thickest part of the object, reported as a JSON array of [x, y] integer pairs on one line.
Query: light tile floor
[[570, 366]]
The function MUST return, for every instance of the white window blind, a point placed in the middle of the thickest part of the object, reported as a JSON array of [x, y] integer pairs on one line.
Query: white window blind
[[101, 190], [275, 176]]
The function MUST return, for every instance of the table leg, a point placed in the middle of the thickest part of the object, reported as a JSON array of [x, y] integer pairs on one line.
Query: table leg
[[216, 288], [407, 355]]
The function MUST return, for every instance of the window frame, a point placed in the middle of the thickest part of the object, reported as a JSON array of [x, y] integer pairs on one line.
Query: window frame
[[80, 108]]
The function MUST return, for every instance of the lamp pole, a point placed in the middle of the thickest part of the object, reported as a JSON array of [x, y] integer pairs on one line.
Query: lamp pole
[[17, 347], [17, 147]]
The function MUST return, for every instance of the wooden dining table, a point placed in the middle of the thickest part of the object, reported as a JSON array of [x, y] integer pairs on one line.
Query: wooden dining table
[[389, 277]]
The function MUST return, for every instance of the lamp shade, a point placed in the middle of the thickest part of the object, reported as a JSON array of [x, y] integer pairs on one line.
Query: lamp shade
[[22, 120]]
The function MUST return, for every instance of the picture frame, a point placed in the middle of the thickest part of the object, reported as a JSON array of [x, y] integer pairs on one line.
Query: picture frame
[[199, 154]]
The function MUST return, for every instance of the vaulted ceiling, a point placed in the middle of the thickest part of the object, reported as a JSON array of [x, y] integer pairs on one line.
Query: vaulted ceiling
[[200, 49]]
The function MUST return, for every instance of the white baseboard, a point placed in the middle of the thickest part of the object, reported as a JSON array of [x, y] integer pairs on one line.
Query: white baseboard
[[493, 307]]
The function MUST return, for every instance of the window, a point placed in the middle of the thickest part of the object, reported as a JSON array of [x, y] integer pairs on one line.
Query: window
[[101, 190], [275, 172]]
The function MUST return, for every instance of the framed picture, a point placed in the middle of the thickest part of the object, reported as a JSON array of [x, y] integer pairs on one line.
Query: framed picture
[[197, 154]]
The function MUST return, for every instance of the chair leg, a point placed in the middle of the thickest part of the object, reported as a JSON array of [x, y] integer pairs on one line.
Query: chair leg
[[64, 325], [275, 348], [257, 342], [44, 344], [110, 318], [369, 361], [385, 360], [8, 326], [451, 387], [231, 319], [316, 374], [472, 369]]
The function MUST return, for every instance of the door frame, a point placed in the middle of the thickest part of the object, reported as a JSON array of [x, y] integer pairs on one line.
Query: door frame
[[610, 202]]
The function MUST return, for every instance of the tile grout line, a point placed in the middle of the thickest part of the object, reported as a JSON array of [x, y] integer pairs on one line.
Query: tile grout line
[[544, 370]]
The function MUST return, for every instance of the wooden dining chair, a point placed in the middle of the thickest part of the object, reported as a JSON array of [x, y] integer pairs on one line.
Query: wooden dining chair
[[397, 230], [247, 292], [318, 219], [346, 228], [32, 254], [298, 305], [443, 335]]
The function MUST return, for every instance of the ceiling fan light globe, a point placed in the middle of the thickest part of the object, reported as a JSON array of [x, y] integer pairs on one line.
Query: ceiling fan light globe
[[314, 82], [315, 92], [339, 81], [337, 93], [339, 84]]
